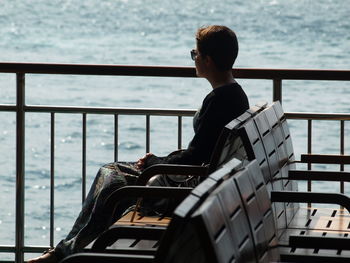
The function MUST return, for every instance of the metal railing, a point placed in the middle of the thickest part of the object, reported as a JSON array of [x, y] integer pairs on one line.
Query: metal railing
[[21, 69]]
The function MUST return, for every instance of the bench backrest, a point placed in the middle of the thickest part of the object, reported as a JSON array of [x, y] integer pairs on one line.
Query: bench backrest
[[229, 144], [285, 154], [256, 201], [223, 228], [267, 138]]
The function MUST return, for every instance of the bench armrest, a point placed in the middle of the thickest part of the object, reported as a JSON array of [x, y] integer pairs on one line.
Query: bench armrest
[[338, 176], [107, 258], [174, 169], [319, 242], [325, 158], [310, 197]]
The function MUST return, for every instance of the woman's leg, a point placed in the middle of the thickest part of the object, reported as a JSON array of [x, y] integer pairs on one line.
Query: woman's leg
[[107, 177], [92, 220]]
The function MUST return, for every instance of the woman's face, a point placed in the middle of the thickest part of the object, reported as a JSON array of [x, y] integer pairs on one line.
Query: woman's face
[[200, 65]]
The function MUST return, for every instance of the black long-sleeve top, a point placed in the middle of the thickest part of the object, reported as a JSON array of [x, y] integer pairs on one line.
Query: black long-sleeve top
[[220, 106]]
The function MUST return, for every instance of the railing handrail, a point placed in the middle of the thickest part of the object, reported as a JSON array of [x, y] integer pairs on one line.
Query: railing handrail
[[318, 116], [169, 71], [160, 112], [102, 110]]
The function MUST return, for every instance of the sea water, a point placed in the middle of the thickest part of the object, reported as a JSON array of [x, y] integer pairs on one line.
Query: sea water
[[272, 34]]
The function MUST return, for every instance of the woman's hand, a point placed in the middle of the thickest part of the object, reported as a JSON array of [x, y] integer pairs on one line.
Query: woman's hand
[[141, 162]]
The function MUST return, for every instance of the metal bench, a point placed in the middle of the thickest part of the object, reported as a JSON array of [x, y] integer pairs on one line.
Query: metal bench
[[190, 233], [267, 138]]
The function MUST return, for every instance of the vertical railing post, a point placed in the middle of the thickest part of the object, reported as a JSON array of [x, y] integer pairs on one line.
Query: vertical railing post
[[342, 151], [277, 90], [148, 133], [179, 132], [20, 157], [309, 150], [83, 177], [52, 181], [116, 137]]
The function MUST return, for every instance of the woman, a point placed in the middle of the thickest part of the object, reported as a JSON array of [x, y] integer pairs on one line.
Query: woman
[[214, 56]]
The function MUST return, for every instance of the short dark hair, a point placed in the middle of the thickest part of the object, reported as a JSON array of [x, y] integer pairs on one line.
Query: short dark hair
[[220, 43]]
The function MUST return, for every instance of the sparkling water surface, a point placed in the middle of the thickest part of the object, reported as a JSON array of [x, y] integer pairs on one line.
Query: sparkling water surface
[[272, 34]]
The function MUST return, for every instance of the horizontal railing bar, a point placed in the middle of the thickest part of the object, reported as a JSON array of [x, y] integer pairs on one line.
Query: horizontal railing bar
[[27, 249], [290, 74], [166, 71], [35, 249], [7, 249], [162, 112], [85, 69], [108, 110], [5, 107], [317, 116]]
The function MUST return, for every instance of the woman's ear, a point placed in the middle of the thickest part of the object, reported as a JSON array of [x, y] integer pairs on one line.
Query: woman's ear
[[210, 62], [206, 59]]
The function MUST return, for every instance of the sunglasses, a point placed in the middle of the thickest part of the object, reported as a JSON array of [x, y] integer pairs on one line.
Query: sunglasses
[[194, 54]]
